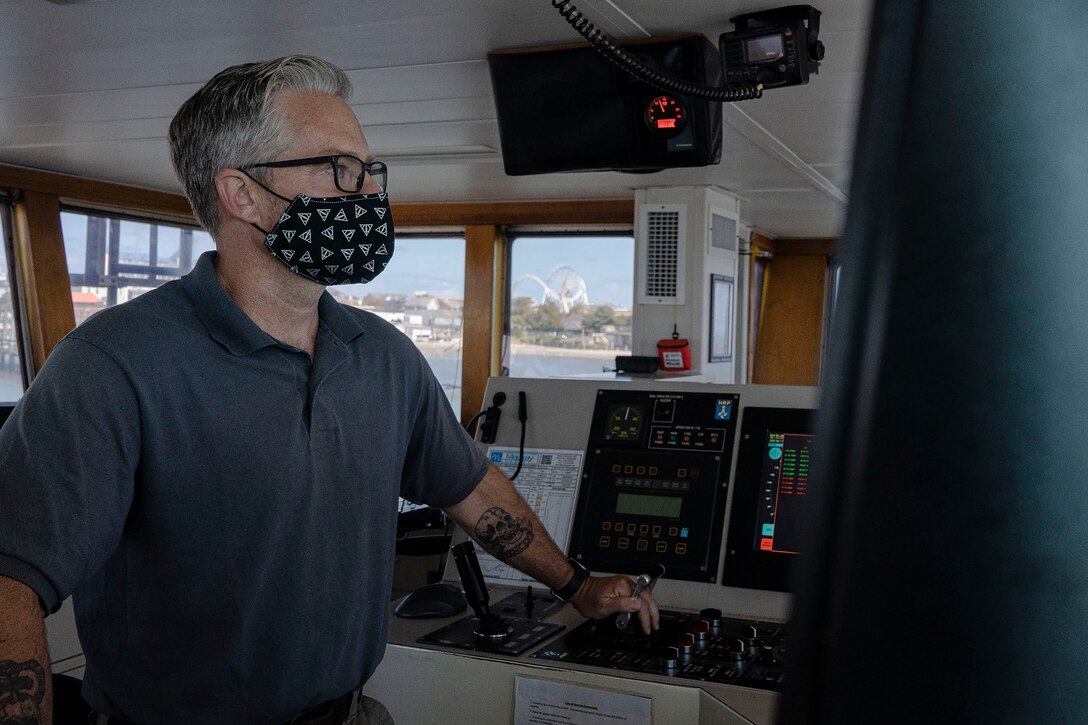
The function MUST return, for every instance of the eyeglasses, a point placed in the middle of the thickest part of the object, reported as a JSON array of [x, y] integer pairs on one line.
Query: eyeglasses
[[349, 172]]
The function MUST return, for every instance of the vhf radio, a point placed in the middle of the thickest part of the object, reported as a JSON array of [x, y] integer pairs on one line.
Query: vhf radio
[[777, 48]]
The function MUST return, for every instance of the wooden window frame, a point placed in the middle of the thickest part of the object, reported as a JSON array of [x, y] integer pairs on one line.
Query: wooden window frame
[[46, 290]]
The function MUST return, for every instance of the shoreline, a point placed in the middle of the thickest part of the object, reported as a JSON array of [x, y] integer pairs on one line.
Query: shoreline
[[449, 349]]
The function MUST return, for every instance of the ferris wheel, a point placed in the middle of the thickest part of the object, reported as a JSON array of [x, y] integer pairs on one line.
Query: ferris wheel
[[565, 287]]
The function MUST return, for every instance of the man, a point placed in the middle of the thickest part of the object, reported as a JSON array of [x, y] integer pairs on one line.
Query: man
[[213, 468]]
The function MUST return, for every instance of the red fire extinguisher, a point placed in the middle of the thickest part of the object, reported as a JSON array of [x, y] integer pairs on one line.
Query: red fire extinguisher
[[674, 353]]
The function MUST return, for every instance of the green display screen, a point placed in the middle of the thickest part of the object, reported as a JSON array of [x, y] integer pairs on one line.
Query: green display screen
[[640, 505]]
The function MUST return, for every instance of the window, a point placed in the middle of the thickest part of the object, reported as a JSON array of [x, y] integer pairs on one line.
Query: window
[[11, 373], [570, 304], [422, 293], [112, 260]]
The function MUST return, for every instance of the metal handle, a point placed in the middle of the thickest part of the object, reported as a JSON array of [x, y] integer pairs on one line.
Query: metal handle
[[642, 582]]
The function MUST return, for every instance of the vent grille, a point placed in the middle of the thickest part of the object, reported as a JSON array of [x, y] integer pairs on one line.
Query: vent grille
[[662, 253], [723, 233]]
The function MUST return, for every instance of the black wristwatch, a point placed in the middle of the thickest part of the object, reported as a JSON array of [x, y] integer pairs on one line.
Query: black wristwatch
[[571, 588]]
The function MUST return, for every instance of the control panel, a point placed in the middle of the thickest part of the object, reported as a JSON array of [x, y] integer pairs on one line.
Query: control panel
[[655, 480], [699, 491], [704, 646]]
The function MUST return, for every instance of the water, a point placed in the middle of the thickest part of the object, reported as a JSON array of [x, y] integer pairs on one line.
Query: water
[[11, 387]]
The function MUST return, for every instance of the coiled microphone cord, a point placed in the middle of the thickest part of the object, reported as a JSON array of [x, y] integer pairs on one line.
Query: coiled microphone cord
[[604, 44]]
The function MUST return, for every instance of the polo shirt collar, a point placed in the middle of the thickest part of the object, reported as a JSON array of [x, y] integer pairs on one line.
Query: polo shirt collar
[[232, 328]]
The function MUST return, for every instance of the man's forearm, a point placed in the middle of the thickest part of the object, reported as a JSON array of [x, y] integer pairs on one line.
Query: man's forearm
[[25, 680], [500, 520]]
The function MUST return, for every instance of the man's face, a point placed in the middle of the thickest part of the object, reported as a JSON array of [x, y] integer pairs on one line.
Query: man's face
[[317, 124]]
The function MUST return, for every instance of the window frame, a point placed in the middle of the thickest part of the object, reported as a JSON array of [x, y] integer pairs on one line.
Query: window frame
[[22, 341], [513, 233]]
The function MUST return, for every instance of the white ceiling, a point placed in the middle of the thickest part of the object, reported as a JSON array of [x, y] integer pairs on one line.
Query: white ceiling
[[89, 89]]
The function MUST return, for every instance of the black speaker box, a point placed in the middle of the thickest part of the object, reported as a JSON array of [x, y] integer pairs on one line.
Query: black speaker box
[[571, 109]]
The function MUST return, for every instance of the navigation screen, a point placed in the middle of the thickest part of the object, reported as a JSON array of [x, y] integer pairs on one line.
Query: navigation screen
[[770, 493], [787, 460]]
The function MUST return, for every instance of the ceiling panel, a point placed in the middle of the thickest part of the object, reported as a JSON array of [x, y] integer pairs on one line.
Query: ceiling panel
[[90, 89]]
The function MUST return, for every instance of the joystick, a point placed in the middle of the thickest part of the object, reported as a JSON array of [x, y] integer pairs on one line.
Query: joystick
[[489, 626]]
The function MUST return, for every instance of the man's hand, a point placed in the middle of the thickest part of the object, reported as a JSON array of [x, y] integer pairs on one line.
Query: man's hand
[[600, 597]]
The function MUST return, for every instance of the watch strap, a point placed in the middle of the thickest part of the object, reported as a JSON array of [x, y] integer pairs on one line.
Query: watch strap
[[568, 590]]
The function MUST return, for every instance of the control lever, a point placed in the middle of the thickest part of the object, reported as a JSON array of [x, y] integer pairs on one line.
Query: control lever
[[643, 581], [490, 625]]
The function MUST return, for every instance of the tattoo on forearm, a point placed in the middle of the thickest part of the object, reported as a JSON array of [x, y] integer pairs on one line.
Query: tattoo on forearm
[[22, 689], [503, 535]]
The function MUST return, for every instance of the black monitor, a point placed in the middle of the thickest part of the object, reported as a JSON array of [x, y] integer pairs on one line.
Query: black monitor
[[5, 411], [774, 460], [570, 109]]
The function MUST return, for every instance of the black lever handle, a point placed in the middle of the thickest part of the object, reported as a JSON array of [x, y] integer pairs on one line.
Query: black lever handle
[[472, 579]]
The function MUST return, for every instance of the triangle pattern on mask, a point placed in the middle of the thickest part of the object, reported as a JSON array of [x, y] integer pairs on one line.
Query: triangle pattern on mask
[[349, 269], [288, 254], [383, 230], [306, 258], [382, 250], [288, 234], [305, 236], [323, 213], [347, 252], [304, 217], [284, 217], [365, 248], [328, 233], [348, 233], [325, 254], [369, 265], [366, 229], [332, 268], [359, 211], [341, 216]]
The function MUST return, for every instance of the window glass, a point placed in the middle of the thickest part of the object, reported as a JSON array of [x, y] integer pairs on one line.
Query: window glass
[[11, 376], [112, 260], [570, 304], [422, 293]]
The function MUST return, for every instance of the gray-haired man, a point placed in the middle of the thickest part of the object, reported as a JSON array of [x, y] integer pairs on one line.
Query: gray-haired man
[[213, 468]]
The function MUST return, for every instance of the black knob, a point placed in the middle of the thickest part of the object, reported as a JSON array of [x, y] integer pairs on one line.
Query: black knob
[[714, 616], [668, 657]]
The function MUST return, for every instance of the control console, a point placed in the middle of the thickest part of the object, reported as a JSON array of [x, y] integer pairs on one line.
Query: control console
[[654, 485], [704, 646]]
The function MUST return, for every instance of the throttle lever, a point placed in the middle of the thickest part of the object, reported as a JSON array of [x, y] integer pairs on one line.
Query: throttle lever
[[642, 582]]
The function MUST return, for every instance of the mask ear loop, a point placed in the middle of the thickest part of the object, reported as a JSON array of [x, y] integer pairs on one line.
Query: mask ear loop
[[278, 196]]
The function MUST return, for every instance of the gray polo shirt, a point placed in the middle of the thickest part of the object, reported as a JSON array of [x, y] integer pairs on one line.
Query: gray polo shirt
[[223, 510]]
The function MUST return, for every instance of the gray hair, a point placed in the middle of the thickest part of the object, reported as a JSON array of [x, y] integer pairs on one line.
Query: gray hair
[[231, 121]]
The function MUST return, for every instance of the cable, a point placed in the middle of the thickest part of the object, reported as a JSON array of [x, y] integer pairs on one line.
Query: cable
[[475, 418], [523, 415], [606, 45]]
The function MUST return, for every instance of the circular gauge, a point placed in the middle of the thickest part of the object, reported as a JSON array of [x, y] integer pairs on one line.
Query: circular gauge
[[666, 116], [624, 423]]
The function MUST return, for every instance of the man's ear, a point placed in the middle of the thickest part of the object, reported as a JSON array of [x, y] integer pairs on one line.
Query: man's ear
[[236, 195]]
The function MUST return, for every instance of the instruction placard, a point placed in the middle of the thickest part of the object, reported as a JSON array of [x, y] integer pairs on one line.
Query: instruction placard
[[544, 702]]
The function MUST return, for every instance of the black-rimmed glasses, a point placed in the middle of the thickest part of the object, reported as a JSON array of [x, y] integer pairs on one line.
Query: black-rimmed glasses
[[349, 172]]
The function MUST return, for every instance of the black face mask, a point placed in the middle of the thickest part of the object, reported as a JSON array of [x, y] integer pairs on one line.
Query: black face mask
[[334, 239]]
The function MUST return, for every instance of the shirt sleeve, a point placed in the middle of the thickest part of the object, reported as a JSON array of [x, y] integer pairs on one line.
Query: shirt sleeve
[[68, 456], [443, 464]]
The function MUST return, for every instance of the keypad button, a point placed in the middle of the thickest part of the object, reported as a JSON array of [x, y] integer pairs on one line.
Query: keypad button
[[605, 542]]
